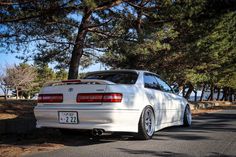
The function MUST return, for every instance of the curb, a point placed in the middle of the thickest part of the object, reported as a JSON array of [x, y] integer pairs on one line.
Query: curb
[[204, 105]]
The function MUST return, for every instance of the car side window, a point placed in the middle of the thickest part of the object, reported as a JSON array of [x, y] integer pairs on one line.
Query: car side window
[[163, 85], [150, 82]]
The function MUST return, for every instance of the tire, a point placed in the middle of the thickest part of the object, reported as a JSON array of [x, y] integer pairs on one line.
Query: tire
[[187, 121], [146, 127]]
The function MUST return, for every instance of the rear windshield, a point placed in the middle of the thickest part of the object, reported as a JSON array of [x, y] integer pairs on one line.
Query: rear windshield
[[116, 77]]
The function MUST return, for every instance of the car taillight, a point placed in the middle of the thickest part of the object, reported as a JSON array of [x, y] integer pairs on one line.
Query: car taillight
[[99, 97], [112, 97], [89, 97], [50, 98]]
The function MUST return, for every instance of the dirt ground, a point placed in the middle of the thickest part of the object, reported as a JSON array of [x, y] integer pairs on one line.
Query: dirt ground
[[41, 140], [16, 108], [48, 139], [222, 106], [15, 151], [38, 140]]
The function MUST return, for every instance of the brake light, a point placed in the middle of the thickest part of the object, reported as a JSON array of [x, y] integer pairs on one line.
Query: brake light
[[50, 98], [99, 97], [89, 97], [112, 97]]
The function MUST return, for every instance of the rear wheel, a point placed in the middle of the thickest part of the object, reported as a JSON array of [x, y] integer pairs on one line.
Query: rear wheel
[[146, 126], [187, 116]]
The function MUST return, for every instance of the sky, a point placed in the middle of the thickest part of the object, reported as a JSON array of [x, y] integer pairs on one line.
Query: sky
[[10, 59]]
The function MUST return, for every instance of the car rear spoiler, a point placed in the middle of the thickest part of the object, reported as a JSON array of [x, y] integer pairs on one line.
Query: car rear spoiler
[[78, 81]]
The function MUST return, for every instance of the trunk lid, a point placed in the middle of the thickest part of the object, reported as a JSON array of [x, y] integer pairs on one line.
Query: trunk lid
[[71, 88]]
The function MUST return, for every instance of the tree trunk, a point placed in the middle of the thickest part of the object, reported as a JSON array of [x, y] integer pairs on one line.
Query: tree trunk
[[211, 96], [17, 93], [6, 93], [190, 89], [138, 26], [203, 91], [195, 97], [230, 94], [77, 51], [225, 94], [218, 94]]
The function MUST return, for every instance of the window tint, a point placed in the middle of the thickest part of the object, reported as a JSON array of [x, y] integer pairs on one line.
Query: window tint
[[150, 82], [116, 77], [163, 85]]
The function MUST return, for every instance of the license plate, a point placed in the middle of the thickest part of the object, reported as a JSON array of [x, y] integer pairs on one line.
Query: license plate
[[68, 117]]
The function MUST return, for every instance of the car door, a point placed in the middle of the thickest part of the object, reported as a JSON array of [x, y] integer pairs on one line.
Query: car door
[[172, 101], [155, 97]]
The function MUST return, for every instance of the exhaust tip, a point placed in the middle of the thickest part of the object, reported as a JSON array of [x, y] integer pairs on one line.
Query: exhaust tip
[[97, 132]]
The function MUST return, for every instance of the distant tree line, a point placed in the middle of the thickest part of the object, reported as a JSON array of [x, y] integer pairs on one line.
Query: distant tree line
[[24, 80]]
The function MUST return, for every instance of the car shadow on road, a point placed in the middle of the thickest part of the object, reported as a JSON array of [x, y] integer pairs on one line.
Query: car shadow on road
[[202, 124], [54, 136], [208, 123]]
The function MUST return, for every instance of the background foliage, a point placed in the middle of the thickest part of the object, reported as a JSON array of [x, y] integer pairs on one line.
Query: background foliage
[[191, 43]]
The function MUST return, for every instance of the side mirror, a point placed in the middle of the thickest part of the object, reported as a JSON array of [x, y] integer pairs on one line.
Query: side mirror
[[175, 88]]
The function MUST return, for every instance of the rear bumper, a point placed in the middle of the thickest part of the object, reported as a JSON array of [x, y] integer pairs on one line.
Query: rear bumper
[[125, 120]]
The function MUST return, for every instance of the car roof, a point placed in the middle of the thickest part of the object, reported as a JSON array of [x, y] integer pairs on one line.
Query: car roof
[[122, 70], [118, 70]]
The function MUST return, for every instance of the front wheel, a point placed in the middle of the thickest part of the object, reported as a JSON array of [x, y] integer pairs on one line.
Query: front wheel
[[187, 116], [146, 126]]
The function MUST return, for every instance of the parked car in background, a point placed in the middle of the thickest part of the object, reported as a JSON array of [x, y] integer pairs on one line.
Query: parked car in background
[[112, 101]]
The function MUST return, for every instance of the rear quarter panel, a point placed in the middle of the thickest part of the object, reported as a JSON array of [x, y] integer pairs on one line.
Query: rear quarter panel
[[132, 97]]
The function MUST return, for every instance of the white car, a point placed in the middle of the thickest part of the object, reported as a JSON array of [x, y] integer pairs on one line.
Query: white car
[[112, 101]]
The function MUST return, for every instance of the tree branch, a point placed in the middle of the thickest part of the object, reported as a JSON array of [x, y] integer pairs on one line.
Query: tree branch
[[107, 5], [14, 3], [98, 25], [142, 6], [108, 35], [19, 19]]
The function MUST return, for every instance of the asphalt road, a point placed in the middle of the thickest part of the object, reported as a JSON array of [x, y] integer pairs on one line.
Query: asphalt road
[[211, 135]]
